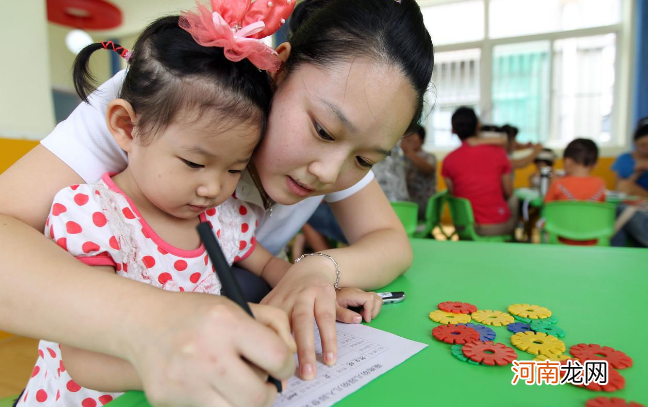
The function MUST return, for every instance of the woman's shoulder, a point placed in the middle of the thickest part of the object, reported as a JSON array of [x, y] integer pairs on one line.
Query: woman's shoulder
[[624, 164]]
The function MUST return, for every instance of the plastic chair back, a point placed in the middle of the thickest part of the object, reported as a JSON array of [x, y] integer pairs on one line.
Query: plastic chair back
[[8, 401], [407, 212], [433, 213], [580, 220], [464, 221]]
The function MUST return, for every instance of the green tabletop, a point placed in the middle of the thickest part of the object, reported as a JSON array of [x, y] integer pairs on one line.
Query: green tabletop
[[598, 295]]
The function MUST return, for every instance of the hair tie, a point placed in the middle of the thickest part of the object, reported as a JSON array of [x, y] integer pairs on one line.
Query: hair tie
[[237, 26], [123, 52]]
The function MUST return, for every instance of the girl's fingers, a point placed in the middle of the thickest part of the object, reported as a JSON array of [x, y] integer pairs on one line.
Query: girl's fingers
[[277, 320], [347, 316]]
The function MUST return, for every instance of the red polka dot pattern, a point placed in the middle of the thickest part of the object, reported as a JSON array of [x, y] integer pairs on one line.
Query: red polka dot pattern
[[128, 213], [73, 228], [58, 209], [99, 219], [81, 199], [148, 261], [41, 396]]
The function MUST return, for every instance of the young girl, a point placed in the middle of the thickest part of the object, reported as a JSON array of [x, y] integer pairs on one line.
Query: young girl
[[352, 82], [189, 118]]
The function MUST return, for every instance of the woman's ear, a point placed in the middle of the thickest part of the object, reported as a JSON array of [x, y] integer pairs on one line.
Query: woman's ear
[[284, 52], [120, 118]]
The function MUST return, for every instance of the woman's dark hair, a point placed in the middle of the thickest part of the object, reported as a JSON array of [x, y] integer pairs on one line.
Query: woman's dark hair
[[464, 122], [324, 32], [642, 129], [169, 72], [583, 151]]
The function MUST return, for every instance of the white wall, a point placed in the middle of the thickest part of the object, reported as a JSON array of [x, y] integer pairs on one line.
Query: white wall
[[25, 89]]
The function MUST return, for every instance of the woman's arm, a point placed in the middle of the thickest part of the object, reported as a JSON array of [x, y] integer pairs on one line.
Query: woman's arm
[[629, 185], [379, 251], [46, 293]]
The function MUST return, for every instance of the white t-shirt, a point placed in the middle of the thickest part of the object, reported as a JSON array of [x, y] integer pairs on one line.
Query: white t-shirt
[[84, 143]]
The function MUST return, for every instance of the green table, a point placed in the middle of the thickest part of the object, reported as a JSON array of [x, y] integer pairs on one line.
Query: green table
[[598, 295]]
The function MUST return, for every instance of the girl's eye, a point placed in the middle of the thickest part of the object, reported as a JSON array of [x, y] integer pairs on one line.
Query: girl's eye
[[364, 163], [322, 133], [192, 164]]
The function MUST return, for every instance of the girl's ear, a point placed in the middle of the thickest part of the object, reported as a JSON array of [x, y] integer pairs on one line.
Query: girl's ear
[[284, 52], [121, 119]]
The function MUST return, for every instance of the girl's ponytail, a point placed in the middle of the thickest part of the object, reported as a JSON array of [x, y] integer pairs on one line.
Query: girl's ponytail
[[84, 82]]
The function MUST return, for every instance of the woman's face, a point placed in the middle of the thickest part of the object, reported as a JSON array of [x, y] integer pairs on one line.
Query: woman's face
[[642, 146], [327, 127]]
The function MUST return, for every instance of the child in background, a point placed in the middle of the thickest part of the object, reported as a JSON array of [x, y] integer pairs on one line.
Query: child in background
[[546, 158], [579, 159], [420, 170]]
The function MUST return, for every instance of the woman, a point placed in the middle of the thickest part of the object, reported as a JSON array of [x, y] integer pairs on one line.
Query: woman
[[352, 84], [632, 178]]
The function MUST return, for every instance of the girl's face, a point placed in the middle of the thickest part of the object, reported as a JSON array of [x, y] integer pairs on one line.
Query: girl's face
[[327, 127], [192, 166]]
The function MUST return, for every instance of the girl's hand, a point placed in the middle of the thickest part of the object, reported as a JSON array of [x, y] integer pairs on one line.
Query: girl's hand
[[355, 297], [195, 350], [307, 295]]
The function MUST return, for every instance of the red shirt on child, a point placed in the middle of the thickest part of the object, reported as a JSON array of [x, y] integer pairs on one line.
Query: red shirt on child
[[476, 174]]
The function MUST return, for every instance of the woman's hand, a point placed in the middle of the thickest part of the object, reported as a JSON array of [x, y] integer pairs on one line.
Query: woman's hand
[[355, 297], [307, 295], [203, 350]]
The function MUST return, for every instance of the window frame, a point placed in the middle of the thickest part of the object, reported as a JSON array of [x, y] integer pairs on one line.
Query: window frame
[[623, 74]]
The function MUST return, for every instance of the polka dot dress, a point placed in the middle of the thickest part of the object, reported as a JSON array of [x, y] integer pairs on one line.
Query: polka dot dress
[[101, 226]]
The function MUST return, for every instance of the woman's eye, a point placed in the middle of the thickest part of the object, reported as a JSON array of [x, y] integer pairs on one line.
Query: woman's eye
[[192, 164], [322, 133], [237, 172], [364, 163]]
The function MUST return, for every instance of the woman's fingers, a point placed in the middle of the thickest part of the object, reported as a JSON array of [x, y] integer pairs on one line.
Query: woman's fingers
[[302, 323], [325, 316]]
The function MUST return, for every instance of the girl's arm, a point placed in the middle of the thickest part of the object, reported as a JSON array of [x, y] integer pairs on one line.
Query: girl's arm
[[46, 293]]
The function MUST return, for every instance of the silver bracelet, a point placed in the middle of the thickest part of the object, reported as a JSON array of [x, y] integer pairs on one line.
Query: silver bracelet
[[338, 273]]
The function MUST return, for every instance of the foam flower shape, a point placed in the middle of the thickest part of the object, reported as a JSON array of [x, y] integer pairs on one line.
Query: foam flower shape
[[529, 311], [489, 317], [537, 343], [443, 317]]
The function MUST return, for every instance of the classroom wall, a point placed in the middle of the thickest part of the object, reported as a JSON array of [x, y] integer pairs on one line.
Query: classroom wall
[[26, 101]]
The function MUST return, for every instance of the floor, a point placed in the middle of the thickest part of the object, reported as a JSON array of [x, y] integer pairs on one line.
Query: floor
[[17, 359]]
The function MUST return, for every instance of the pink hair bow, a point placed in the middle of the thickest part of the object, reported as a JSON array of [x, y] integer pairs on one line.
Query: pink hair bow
[[237, 26]]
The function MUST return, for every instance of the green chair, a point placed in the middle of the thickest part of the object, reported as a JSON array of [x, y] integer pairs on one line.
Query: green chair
[[407, 212], [433, 213], [579, 220], [8, 401], [464, 222]]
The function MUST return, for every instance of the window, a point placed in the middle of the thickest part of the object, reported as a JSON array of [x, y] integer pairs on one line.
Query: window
[[548, 67]]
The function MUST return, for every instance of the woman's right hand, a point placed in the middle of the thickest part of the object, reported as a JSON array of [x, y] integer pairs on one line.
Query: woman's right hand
[[203, 350]]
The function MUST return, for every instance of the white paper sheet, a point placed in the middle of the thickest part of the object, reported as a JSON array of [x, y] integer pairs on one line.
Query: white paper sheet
[[364, 353]]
